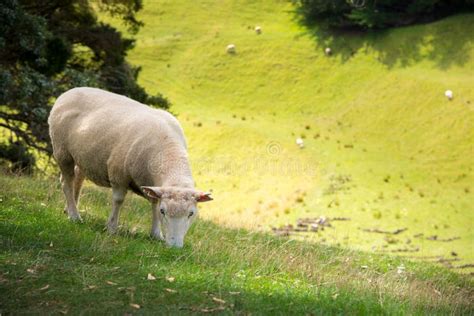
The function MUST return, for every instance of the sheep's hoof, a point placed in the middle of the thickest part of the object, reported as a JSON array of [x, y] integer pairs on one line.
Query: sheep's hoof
[[111, 229], [157, 236], [76, 218]]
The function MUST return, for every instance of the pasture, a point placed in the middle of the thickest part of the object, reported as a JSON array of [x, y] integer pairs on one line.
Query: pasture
[[49, 265], [343, 183], [383, 145]]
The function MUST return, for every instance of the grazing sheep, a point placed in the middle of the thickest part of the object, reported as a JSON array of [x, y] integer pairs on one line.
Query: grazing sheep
[[258, 30], [300, 142], [328, 51], [230, 49], [120, 143], [449, 94]]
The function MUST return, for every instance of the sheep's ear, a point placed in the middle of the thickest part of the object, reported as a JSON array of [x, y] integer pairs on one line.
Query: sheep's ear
[[154, 193], [203, 197]]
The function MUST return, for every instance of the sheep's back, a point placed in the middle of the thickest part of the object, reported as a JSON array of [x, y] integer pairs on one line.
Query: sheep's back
[[107, 134]]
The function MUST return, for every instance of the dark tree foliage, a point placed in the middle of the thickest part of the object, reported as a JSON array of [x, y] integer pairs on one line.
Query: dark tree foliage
[[377, 14], [50, 46]]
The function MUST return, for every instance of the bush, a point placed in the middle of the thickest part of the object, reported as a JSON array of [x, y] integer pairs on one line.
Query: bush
[[377, 14], [21, 161]]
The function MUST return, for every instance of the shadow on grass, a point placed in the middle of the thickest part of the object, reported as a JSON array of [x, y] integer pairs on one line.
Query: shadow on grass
[[446, 43], [50, 265]]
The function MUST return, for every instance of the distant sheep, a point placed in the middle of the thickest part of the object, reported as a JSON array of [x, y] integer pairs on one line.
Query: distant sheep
[[230, 49], [258, 30], [300, 142], [449, 94], [120, 143], [328, 51]]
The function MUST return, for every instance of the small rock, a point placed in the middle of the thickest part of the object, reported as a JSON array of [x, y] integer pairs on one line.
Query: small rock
[[400, 269]]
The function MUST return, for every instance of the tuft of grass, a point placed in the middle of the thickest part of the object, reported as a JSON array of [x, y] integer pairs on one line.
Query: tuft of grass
[[50, 265]]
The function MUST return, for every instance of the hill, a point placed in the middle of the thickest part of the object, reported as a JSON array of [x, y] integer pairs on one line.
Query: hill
[[383, 145]]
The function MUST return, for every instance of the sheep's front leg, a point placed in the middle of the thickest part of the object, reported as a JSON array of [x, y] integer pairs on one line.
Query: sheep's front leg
[[155, 225], [118, 196]]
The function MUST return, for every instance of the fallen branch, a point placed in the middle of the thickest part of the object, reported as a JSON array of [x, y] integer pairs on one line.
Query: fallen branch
[[379, 231], [401, 250], [340, 219], [465, 266], [435, 238]]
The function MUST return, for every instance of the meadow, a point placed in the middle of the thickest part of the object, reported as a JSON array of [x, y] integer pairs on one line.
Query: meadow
[[383, 145], [387, 165]]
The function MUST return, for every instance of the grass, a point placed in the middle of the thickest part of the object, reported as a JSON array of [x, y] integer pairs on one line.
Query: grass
[[383, 146], [49, 265], [373, 113]]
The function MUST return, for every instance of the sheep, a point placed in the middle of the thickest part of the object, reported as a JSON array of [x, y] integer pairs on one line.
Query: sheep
[[258, 30], [449, 94], [328, 51], [300, 142], [120, 143], [230, 49]]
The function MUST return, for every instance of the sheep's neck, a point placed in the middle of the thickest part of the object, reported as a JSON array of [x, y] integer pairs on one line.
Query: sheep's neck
[[175, 170]]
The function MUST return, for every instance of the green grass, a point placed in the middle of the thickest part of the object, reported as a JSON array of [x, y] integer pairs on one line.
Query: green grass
[[49, 265], [375, 110]]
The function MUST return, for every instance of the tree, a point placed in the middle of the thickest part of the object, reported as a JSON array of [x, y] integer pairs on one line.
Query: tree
[[50, 46], [377, 14]]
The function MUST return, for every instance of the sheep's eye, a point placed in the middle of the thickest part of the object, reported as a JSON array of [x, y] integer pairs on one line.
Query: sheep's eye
[[162, 211], [191, 214]]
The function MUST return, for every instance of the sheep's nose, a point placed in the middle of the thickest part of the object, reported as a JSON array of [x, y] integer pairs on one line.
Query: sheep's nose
[[174, 242]]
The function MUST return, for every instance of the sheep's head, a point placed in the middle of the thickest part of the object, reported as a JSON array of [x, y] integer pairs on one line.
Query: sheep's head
[[177, 210]]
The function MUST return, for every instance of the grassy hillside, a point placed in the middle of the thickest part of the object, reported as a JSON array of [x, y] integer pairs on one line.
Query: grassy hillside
[[383, 145], [49, 265]]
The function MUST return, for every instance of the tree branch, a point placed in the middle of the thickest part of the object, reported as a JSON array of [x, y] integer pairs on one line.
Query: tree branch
[[24, 135]]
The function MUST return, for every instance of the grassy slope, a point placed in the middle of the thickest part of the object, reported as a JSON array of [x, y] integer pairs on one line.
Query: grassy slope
[[49, 265], [382, 94]]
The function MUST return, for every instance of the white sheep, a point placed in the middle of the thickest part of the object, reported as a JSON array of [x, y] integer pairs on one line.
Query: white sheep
[[300, 142], [230, 49], [328, 51], [258, 30], [449, 94], [120, 143]]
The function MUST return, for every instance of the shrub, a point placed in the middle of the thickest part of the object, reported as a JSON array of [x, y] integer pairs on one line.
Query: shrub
[[377, 14]]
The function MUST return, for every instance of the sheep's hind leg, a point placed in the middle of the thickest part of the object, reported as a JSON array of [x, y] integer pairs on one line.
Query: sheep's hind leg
[[155, 225], [118, 196], [78, 181], [76, 184], [67, 183]]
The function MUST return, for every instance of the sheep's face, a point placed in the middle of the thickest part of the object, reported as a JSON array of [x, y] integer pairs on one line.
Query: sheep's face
[[177, 210]]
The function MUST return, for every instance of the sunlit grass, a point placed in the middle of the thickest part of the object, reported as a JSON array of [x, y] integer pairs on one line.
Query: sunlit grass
[[374, 111]]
